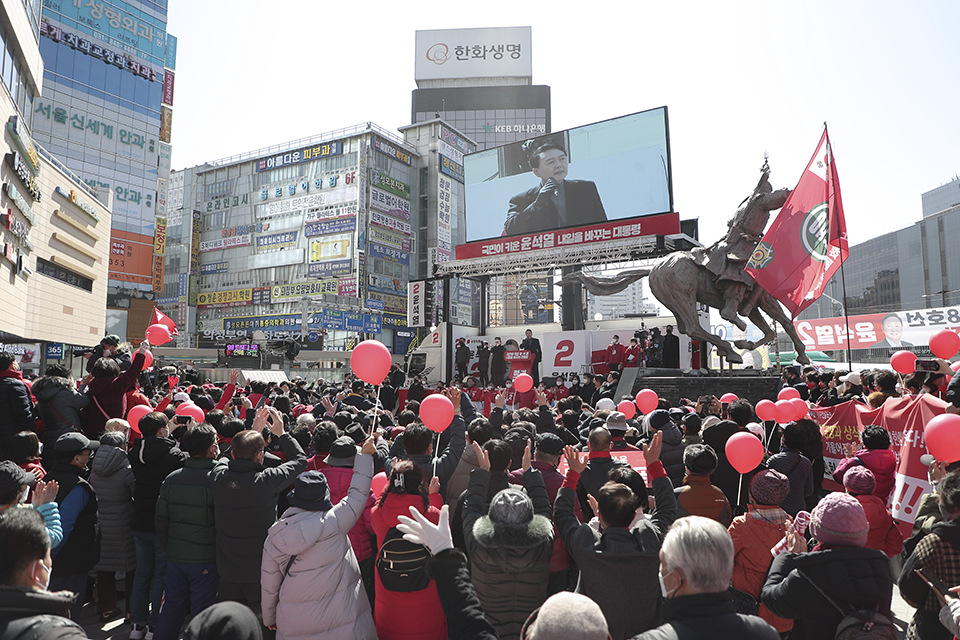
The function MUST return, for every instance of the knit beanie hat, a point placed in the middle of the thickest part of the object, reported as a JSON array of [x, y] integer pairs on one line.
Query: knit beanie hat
[[511, 506], [570, 616], [700, 459], [859, 480], [839, 520], [769, 487]]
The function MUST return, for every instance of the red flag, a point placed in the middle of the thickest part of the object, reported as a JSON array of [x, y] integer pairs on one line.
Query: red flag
[[159, 317], [807, 242]]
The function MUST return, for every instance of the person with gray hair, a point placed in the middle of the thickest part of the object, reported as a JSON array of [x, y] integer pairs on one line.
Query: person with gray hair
[[696, 563]]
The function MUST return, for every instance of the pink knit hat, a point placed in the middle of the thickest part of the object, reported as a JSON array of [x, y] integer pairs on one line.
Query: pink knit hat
[[839, 520], [859, 480]]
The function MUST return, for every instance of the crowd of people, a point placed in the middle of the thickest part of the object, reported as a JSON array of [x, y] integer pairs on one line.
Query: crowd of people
[[331, 510]]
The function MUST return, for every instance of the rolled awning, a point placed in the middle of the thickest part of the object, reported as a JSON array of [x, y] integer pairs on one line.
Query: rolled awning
[[263, 376]]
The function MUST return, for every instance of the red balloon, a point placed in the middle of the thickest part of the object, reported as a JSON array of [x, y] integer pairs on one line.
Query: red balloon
[[436, 411], [158, 334], [945, 343], [627, 408], [371, 361], [379, 483], [801, 408], [523, 383], [647, 400], [729, 397], [136, 412], [785, 411], [147, 360], [955, 366], [766, 410], [903, 361], [942, 437], [744, 451], [788, 393], [192, 410]]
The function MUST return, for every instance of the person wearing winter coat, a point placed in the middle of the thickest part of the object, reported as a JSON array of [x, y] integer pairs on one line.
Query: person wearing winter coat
[[755, 533], [311, 586], [938, 551], [152, 459], [594, 475], [245, 495], [884, 533], [672, 454], [407, 615], [617, 425], [187, 533], [341, 463], [697, 497], [16, 405], [791, 463], [839, 566], [499, 455], [509, 545], [110, 347], [875, 454], [619, 565], [113, 479], [695, 567], [480, 432], [59, 404], [107, 388]]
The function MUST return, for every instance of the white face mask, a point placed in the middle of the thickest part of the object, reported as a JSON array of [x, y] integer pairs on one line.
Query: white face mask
[[46, 584], [663, 587], [23, 495]]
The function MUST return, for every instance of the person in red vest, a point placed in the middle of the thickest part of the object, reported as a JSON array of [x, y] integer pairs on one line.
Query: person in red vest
[[632, 355], [615, 354], [475, 393]]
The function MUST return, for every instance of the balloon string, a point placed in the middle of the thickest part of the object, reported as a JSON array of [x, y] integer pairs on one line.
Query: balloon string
[[436, 453], [739, 489], [376, 414]]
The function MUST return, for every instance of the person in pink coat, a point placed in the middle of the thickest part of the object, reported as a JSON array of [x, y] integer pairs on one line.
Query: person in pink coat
[[884, 534], [876, 456]]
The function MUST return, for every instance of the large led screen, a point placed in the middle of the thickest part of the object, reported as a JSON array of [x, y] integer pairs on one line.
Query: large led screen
[[610, 170]]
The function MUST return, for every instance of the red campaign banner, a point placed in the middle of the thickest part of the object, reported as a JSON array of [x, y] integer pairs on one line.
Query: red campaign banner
[[520, 362], [827, 334], [663, 224], [904, 418]]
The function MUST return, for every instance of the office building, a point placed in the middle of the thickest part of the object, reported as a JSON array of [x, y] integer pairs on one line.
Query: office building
[[54, 232], [481, 82], [106, 112]]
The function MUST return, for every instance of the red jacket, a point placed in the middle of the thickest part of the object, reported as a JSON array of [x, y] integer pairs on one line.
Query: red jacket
[[338, 479], [556, 394], [412, 615], [754, 534], [884, 534], [631, 356], [883, 464], [615, 353], [110, 394]]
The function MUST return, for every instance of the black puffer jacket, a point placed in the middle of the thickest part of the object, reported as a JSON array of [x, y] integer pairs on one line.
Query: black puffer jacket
[[854, 577], [726, 478], [671, 455], [152, 460], [707, 615], [59, 403], [28, 613], [16, 407], [594, 477], [510, 563], [80, 552]]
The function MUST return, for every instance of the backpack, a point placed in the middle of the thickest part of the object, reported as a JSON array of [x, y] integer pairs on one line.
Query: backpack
[[858, 624], [401, 564]]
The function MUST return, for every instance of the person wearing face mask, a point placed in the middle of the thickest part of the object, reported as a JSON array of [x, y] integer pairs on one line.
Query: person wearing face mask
[[498, 362], [110, 347], [79, 551], [27, 608], [15, 487], [16, 406], [696, 562], [616, 353]]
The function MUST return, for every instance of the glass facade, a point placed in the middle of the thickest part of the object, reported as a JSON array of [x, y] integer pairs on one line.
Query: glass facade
[[102, 114]]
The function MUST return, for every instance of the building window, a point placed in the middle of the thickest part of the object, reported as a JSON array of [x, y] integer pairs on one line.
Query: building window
[[64, 275]]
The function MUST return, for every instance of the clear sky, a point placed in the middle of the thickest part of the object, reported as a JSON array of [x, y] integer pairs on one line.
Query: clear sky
[[739, 78]]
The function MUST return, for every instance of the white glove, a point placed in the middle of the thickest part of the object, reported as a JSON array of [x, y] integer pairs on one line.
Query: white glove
[[419, 530], [950, 615]]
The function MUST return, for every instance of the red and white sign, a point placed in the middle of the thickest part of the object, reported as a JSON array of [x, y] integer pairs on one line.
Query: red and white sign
[[565, 351], [899, 330], [904, 418], [663, 224]]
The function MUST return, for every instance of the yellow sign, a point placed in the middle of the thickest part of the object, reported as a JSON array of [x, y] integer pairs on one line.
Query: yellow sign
[[158, 264], [160, 237], [328, 248], [231, 297]]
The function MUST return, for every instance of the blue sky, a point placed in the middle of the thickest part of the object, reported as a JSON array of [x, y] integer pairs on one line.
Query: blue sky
[[739, 78]]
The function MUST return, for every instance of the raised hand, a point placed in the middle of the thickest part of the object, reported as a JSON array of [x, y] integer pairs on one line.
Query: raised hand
[[651, 453], [483, 458], [575, 462]]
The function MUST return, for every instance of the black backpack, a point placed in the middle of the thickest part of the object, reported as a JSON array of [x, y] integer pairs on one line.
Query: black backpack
[[401, 564], [858, 624]]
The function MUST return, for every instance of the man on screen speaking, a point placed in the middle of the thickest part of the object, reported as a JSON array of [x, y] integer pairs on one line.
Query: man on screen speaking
[[557, 202]]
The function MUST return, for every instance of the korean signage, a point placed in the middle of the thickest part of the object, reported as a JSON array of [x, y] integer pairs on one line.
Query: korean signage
[[451, 168], [288, 292], [332, 247], [158, 267], [453, 140], [215, 267], [473, 53], [330, 269], [390, 254], [662, 224], [226, 203], [277, 241], [229, 298], [244, 229], [168, 87], [134, 31], [333, 212], [450, 152], [336, 225], [22, 204], [390, 302], [25, 144], [94, 48], [226, 243], [313, 152], [337, 196], [394, 186], [22, 169], [391, 151], [165, 159], [416, 309], [444, 222], [384, 284], [160, 237], [166, 123], [895, 330], [375, 234], [390, 222], [195, 244], [131, 257], [384, 201]]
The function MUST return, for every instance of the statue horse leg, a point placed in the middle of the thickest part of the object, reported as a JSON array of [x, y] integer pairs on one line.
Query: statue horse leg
[[772, 308]]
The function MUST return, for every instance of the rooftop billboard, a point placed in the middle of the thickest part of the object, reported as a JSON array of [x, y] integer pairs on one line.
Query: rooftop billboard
[[611, 170], [473, 53]]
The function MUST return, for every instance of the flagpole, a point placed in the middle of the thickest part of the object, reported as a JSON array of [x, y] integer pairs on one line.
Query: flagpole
[[843, 278]]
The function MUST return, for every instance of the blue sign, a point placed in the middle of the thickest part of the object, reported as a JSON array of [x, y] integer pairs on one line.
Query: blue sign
[[374, 304], [390, 254], [372, 324], [332, 269], [272, 323], [170, 59], [55, 351], [163, 301], [216, 267], [451, 168], [354, 321], [277, 240], [184, 284], [335, 225], [332, 319], [313, 336], [140, 33]]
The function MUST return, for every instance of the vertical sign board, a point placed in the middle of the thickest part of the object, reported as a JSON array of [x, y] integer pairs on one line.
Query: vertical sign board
[[416, 308], [444, 226], [360, 240]]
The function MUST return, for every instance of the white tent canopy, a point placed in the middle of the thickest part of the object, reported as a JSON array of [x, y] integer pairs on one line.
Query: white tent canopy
[[249, 375]]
